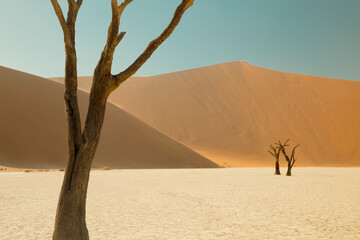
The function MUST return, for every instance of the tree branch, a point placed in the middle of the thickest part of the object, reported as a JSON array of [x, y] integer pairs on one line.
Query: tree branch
[[282, 149], [68, 25], [70, 95], [113, 30], [292, 158], [119, 38], [272, 153], [153, 45], [71, 17], [61, 18], [123, 5], [113, 37], [78, 2]]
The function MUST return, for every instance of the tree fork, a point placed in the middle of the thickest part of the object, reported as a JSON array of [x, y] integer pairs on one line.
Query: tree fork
[[290, 160]]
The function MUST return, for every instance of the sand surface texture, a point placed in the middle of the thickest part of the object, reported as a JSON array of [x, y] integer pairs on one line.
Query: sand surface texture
[[33, 131], [231, 112], [193, 204]]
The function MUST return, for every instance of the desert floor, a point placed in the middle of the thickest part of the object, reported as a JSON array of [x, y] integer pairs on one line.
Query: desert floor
[[199, 204]]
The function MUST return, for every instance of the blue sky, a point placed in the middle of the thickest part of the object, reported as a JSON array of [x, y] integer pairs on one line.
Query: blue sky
[[314, 37]]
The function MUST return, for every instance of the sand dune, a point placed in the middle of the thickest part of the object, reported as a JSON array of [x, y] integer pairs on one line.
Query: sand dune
[[33, 131], [231, 112]]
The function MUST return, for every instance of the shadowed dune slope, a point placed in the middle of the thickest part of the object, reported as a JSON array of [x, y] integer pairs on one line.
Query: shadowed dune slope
[[231, 112], [33, 131]]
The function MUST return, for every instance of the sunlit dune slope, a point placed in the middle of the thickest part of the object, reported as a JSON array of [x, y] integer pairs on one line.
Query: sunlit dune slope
[[231, 112], [33, 131]]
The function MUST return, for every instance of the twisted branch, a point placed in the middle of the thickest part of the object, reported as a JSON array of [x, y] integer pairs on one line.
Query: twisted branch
[[154, 44]]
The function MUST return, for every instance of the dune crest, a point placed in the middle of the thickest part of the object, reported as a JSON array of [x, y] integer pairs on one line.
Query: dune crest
[[231, 112], [33, 131]]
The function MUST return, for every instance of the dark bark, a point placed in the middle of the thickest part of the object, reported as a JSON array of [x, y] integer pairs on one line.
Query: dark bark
[[275, 152], [290, 160], [70, 218], [277, 168], [288, 173], [70, 221]]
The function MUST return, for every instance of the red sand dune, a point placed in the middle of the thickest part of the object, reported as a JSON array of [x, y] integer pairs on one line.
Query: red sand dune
[[33, 131], [231, 112]]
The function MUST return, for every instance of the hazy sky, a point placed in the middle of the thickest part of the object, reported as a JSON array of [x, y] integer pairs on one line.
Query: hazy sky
[[314, 37]]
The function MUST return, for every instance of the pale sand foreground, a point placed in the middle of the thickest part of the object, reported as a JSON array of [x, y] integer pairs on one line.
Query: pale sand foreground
[[199, 204]]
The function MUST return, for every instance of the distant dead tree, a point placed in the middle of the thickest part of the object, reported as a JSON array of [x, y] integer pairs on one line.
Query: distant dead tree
[[290, 160], [82, 142], [276, 153]]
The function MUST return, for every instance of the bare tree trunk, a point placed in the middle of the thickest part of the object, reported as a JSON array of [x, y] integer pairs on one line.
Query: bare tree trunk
[[276, 153], [70, 217], [277, 168], [288, 173]]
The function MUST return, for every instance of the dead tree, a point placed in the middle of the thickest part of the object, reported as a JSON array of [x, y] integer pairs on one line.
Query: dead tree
[[82, 142], [290, 160], [276, 153]]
